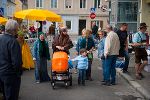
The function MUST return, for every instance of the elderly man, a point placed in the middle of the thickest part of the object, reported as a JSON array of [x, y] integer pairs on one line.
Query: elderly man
[[10, 62], [111, 50]]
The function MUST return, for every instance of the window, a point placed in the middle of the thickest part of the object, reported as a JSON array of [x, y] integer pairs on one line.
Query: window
[[82, 3], [68, 3], [68, 24], [53, 3], [96, 3], [132, 27], [127, 11], [39, 3]]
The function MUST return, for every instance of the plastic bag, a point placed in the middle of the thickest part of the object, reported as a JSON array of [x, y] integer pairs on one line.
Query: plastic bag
[[90, 56], [147, 68], [120, 63]]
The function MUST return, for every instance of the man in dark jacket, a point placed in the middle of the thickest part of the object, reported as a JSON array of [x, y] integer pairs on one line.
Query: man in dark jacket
[[94, 30], [10, 62]]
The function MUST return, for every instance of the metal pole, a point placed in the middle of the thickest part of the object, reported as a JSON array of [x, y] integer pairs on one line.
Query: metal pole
[[109, 11]]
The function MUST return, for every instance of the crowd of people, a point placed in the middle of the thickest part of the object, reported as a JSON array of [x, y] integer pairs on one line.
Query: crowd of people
[[111, 46]]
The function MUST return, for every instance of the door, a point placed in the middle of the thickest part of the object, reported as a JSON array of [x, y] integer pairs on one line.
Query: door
[[82, 25]]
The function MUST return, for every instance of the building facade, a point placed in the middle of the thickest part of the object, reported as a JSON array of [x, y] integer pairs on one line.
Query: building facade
[[75, 13], [7, 8], [10, 8], [3, 10], [145, 12], [125, 11], [21, 5]]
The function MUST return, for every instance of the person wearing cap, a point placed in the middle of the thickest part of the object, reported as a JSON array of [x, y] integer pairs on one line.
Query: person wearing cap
[[40, 56], [10, 61], [62, 42], [139, 43]]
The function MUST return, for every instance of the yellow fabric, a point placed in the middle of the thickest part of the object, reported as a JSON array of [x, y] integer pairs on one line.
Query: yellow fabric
[[3, 20], [38, 14], [27, 59]]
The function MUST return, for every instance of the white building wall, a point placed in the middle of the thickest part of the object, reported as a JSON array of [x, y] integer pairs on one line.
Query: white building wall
[[74, 23]]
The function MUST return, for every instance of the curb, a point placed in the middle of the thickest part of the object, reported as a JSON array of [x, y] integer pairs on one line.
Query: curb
[[134, 84]]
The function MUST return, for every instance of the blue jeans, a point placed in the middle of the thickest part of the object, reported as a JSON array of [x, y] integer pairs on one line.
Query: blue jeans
[[104, 71], [81, 76], [110, 71], [127, 58]]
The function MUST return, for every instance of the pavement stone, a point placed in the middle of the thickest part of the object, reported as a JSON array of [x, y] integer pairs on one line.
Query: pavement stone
[[92, 91], [137, 84]]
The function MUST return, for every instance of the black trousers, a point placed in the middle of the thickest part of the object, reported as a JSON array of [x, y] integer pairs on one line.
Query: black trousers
[[10, 86], [88, 71]]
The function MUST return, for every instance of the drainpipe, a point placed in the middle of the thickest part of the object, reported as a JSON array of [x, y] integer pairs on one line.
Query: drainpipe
[[109, 9]]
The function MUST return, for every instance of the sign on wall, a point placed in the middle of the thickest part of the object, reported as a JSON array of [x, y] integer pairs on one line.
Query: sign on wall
[[92, 15], [2, 11], [93, 10]]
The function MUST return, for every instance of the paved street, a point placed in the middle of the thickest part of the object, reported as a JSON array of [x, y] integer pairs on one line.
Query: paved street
[[52, 17], [92, 91]]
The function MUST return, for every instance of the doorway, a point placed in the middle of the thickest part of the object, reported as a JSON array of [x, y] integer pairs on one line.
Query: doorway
[[82, 25]]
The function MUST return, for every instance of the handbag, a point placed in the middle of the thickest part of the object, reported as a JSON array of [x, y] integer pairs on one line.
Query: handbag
[[90, 56]]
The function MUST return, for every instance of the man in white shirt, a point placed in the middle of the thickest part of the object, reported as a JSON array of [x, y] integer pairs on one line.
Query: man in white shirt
[[111, 50]]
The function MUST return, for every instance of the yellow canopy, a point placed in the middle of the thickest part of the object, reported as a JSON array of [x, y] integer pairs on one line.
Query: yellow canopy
[[38, 14], [3, 20]]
